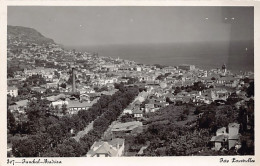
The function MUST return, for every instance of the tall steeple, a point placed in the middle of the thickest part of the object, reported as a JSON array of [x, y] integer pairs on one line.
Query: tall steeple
[[224, 69]]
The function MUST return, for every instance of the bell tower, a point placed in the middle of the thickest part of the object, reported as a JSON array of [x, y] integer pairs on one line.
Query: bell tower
[[224, 69]]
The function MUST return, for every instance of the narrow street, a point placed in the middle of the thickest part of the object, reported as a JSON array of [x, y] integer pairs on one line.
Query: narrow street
[[84, 132]]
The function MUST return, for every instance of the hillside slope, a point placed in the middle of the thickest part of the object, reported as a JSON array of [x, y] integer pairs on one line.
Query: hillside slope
[[24, 34]]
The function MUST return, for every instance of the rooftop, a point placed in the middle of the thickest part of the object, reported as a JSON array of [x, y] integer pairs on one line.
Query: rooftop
[[108, 148], [12, 88], [219, 138], [55, 98], [235, 125], [117, 141], [221, 130], [126, 126], [104, 148], [137, 111], [22, 103], [78, 104]]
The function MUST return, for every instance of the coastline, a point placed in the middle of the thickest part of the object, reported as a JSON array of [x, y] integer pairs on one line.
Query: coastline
[[203, 56]]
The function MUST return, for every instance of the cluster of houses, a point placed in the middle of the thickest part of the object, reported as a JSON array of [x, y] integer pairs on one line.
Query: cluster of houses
[[227, 139], [94, 72], [46, 73], [157, 91], [115, 146], [116, 135], [72, 104]]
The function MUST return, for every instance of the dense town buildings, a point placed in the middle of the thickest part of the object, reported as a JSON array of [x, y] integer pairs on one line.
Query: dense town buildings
[[71, 81]]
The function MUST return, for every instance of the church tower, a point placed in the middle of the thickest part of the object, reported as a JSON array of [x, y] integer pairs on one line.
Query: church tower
[[224, 69]]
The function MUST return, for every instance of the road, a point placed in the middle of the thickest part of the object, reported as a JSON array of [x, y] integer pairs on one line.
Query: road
[[84, 132]]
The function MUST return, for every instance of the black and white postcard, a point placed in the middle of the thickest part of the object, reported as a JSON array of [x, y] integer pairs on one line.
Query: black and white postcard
[[144, 83]]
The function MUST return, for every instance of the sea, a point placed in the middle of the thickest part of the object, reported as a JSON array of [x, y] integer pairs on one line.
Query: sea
[[237, 56]]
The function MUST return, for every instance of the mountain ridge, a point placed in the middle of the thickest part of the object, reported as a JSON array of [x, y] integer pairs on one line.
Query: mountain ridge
[[25, 34]]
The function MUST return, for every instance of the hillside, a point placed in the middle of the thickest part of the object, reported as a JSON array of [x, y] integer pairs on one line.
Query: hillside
[[24, 34]]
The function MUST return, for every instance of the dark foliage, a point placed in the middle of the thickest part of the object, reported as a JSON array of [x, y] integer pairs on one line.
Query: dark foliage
[[50, 135]]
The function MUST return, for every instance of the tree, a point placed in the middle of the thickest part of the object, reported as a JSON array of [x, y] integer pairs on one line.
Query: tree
[[242, 118], [251, 114], [211, 86], [87, 79], [250, 90], [11, 124], [56, 132], [56, 109], [127, 118], [232, 99], [70, 148], [179, 77], [198, 86], [146, 101], [160, 77], [51, 133], [24, 90], [132, 80], [35, 111], [64, 109], [65, 150], [104, 88], [35, 80], [24, 148], [207, 120], [186, 111], [63, 85], [245, 150], [159, 66], [50, 154], [57, 74], [168, 100], [177, 90], [188, 89], [182, 117], [198, 110], [246, 80]]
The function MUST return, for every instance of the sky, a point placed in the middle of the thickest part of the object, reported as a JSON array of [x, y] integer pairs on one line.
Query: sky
[[91, 26]]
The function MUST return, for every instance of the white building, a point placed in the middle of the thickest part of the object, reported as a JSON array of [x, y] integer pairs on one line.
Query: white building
[[113, 148], [12, 91]]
